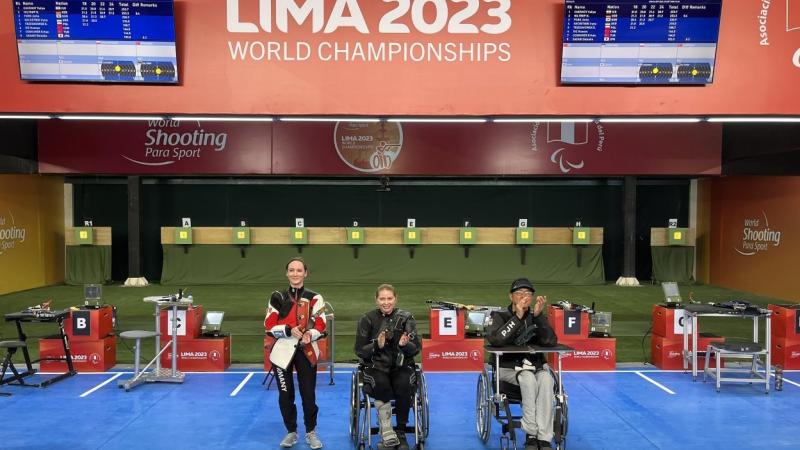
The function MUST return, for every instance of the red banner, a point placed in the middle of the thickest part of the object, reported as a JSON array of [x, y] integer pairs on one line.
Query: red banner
[[452, 356], [381, 148], [497, 149], [431, 57], [154, 147]]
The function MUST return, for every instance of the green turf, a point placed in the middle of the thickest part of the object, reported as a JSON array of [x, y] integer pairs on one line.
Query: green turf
[[244, 308]]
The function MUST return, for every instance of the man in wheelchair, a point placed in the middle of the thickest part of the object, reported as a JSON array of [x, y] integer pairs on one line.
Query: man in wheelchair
[[386, 342], [524, 323]]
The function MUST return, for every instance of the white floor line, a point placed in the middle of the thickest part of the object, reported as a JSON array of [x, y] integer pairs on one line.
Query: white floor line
[[786, 380], [661, 386], [101, 384], [241, 385]]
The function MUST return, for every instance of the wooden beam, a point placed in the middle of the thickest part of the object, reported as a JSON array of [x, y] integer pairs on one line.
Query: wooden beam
[[380, 236]]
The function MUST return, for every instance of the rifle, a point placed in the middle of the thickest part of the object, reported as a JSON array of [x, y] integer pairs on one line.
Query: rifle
[[442, 304], [567, 306], [282, 350]]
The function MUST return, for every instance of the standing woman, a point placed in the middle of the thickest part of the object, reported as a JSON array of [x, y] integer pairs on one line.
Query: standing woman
[[296, 319], [386, 342]]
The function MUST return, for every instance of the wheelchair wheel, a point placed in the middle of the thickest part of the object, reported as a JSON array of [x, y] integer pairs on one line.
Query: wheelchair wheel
[[560, 416], [355, 406], [561, 421], [483, 408], [560, 426], [425, 410], [421, 412]]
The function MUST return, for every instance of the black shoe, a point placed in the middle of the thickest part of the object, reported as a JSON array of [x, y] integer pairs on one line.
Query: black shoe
[[531, 443], [401, 436], [544, 444]]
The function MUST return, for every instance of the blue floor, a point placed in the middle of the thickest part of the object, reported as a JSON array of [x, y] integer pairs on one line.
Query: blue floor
[[608, 410]]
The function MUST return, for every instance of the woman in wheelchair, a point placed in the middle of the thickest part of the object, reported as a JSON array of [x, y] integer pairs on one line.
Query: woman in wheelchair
[[386, 342], [524, 323]]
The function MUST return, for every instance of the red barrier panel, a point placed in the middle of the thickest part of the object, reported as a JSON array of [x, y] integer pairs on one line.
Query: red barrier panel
[[452, 356], [589, 354], [88, 324], [786, 353], [668, 322], [447, 324], [87, 356], [190, 320], [665, 353], [568, 325], [201, 355], [785, 322]]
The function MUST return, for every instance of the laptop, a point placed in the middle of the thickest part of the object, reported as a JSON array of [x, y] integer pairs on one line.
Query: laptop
[[672, 295], [212, 322]]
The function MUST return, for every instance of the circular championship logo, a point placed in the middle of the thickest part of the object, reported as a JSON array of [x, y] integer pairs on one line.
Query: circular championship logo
[[476, 355], [368, 146], [214, 355], [607, 354], [94, 358]]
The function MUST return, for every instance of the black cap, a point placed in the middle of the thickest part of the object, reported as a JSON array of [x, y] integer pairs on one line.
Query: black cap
[[521, 283]]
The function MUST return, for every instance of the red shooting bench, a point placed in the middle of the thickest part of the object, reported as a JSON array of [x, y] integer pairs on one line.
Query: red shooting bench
[[87, 356]]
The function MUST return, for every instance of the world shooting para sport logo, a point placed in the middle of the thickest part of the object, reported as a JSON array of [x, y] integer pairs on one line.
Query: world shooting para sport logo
[[757, 236], [11, 235], [170, 141]]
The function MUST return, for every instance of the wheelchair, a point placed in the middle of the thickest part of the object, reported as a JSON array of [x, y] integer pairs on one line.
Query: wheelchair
[[489, 402], [361, 417]]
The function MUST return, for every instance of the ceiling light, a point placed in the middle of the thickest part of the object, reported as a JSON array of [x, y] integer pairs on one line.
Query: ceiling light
[[543, 120], [222, 118], [650, 119], [439, 120], [329, 119], [97, 117]]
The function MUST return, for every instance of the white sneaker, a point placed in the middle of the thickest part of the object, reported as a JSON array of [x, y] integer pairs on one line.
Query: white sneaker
[[313, 440], [289, 440]]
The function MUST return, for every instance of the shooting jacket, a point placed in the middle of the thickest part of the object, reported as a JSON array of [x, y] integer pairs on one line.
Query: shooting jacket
[[396, 323]]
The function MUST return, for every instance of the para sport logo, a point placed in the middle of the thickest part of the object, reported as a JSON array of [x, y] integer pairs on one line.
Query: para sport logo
[[568, 142]]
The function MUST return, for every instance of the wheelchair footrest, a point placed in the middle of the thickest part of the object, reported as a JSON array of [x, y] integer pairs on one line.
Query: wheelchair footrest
[[407, 429], [510, 426]]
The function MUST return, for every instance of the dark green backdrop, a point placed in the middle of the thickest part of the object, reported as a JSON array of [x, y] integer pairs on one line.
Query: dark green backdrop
[[432, 264], [336, 202]]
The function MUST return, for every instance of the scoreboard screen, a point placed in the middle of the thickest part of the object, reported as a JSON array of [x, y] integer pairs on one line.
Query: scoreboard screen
[[640, 41], [96, 41]]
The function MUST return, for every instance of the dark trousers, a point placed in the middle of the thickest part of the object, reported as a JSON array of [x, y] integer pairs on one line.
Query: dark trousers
[[307, 379], [395, 385]]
